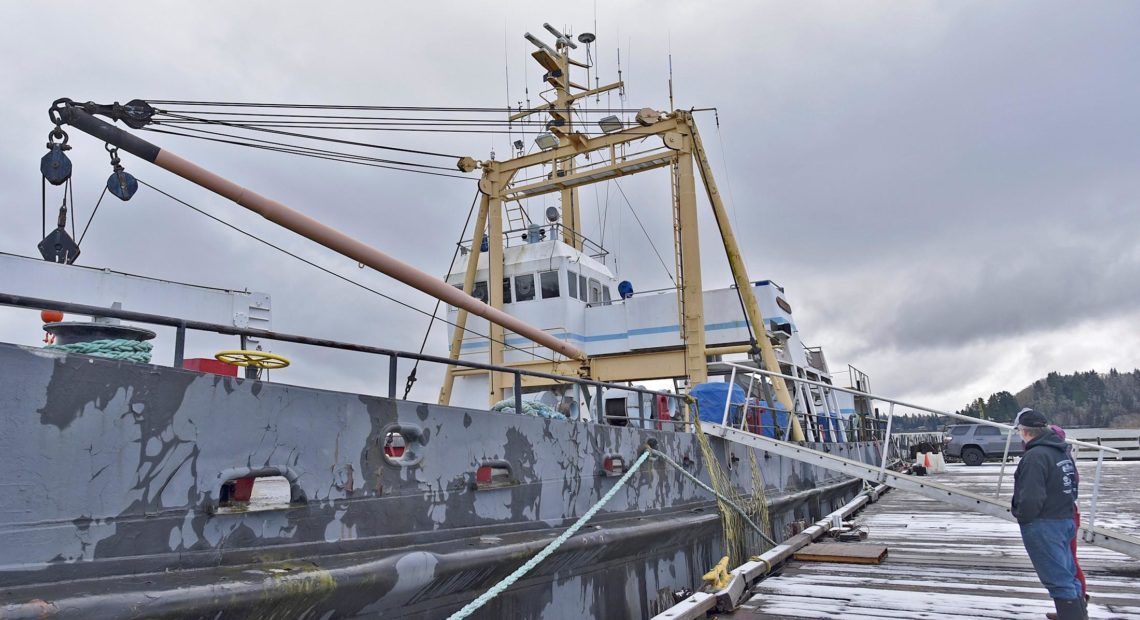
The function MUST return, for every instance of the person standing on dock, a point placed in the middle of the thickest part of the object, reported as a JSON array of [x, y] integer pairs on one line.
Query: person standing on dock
[[1044, 492], [1060, 432]]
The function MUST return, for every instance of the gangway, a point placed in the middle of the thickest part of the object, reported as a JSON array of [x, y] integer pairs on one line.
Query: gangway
[[991, 505]]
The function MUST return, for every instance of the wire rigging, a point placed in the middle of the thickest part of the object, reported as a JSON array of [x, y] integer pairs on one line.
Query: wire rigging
[[343, 158], [307, 106], [651, 244], [315, 150], [724, 166], [90, 219], [297, 126], [326, 139], [451, 265]]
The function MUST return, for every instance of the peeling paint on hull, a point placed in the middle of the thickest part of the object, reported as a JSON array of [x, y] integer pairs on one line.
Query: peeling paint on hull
[[113, 472]]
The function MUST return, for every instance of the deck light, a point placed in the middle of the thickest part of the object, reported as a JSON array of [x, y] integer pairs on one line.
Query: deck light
[[546, 141], [611, 124]]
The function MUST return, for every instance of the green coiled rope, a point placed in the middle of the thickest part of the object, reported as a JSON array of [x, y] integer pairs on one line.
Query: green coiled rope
[[128, 350]]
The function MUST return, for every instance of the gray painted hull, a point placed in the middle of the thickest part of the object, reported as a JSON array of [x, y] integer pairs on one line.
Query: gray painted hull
[[112, 473]]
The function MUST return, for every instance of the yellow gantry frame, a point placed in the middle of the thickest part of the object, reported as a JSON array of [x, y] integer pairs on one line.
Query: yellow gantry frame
[[683, 148]]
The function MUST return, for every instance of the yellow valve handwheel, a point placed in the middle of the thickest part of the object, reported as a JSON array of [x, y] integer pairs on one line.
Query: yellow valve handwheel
[[257, 359]]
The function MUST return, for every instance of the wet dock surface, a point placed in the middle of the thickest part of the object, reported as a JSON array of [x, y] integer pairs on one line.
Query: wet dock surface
[[943, 562]]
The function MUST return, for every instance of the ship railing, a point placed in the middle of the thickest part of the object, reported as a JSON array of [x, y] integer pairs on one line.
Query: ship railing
[[515, 236], [806, 419], [182, 326], [889, 435], [823, 420]]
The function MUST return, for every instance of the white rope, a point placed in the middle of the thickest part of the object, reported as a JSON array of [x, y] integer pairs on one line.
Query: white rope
[[498, 588]]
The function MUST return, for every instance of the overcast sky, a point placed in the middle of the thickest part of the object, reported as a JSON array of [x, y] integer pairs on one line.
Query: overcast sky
[[947, 190]]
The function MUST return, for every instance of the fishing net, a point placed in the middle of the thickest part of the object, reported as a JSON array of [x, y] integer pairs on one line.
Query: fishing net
[[736, 534]]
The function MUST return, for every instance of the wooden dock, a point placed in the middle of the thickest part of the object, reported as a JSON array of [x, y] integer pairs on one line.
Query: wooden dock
[[945, 563]]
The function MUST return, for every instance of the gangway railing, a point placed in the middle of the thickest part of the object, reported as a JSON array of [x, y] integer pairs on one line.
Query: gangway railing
[[994, 506]]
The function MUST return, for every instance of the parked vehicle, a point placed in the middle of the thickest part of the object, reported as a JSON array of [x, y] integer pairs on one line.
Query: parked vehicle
[[977, 443]]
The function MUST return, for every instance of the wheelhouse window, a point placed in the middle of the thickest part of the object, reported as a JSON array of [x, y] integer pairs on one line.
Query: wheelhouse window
[[572, 285], [606, 294], [595, 291], [506, 290], [582, 288], [548, 280], [480, 291], [524, 287]]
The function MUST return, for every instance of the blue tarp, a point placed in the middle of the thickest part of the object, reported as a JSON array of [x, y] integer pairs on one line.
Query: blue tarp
[[770, 427], [832, 427], [711, 397]]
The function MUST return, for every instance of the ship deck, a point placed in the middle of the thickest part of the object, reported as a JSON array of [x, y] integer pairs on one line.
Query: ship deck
[[946, 563]]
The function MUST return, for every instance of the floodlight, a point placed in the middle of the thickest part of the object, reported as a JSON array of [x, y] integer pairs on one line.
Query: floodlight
[[610, 124], [546, 141]]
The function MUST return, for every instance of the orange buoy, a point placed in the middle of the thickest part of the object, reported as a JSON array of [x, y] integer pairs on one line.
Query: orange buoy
[[51, 316], [926, 458]]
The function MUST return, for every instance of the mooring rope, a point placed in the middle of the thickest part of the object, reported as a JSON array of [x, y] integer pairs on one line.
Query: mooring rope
[[128, 350], [521, 571], [549, 549]]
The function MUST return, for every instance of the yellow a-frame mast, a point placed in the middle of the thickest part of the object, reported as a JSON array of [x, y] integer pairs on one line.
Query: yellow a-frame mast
[[680, 149]]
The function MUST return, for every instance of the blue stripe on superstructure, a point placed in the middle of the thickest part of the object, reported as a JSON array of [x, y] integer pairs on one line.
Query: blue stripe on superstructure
[[641, 331]]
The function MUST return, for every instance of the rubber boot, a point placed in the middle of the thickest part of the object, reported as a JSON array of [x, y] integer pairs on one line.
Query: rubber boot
[[1073, 609]]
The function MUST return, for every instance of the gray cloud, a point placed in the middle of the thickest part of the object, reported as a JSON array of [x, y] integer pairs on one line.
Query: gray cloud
[[940, 186]]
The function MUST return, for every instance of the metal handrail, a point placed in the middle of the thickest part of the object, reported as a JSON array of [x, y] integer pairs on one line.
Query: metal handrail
[[594, 249], [890, 418], [906, 404], [182, 325]]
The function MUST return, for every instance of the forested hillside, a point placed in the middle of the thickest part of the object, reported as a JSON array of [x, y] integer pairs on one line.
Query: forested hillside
[[1088, 399]]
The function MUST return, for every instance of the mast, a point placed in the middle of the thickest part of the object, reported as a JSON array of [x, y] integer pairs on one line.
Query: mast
[[557, 63], [680, 149], [495, 184]]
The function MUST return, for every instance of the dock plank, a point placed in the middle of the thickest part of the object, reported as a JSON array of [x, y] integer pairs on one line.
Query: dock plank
[[944, 563], [844, 553]]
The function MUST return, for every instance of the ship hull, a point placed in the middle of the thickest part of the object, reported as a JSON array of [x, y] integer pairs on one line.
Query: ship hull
[[115, 473]]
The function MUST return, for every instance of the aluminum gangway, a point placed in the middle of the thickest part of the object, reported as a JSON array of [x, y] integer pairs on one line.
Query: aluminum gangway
[[1121, 542]]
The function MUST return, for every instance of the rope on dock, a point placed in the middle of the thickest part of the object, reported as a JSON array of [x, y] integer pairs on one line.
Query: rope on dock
[[128, 350], [549, 549]]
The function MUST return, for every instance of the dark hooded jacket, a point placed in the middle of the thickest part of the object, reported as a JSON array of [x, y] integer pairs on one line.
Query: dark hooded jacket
[[1045, 484]]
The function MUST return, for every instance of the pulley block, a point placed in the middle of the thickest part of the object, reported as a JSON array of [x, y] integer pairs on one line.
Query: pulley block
[[59, 247], [56, 166], [122, 184]]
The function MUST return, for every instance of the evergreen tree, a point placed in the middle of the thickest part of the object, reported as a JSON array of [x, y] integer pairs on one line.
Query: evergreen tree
[[1086, 399]]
